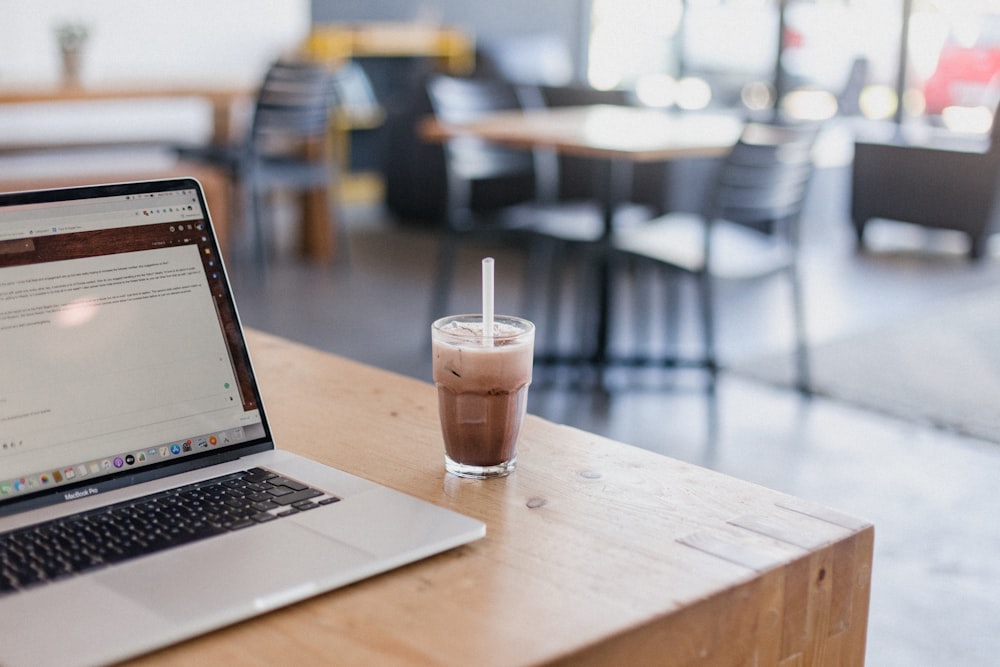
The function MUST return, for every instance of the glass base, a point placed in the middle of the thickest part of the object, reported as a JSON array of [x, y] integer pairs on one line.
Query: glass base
[[480, 472]]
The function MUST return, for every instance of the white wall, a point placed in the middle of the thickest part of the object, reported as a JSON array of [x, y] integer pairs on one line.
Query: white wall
[[196, 43], [152, 40]]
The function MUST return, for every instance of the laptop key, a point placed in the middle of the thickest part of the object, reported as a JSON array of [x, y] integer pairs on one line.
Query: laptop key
[[98, 538], [284, 481], [257, 475], [265, 505], [296, 496]]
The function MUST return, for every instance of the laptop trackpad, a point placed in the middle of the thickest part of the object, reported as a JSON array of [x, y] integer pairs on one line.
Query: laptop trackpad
[[253, 570]]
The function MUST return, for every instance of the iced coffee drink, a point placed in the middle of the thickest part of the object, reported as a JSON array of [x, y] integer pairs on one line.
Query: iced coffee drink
[[482, 391]]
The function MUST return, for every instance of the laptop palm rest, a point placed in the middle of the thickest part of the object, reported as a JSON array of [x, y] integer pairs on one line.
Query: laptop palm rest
[[251, 571]]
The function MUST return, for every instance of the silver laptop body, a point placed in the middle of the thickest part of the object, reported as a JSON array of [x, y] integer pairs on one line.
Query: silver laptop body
[[124, 375]]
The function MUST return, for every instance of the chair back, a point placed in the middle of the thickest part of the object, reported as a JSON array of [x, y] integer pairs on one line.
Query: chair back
[[541, 59], [763, 181], [461, 100], [293, 107], [995, 131]]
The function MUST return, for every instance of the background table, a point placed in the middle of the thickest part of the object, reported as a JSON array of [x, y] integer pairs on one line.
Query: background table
[[223, 99], [614, 136], [603, 131], [317, 239], [596, 553]]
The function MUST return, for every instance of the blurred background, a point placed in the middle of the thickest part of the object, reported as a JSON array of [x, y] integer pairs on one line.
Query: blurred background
[[98, 90], [934, 60]]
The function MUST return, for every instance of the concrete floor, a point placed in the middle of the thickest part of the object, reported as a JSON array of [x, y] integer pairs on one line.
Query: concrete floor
[[930, 494]]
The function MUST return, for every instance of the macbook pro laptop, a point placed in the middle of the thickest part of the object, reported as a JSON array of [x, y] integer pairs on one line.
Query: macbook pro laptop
[[142, 497]]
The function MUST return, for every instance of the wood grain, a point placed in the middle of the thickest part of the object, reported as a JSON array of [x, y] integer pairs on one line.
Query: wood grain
[[596, 552]]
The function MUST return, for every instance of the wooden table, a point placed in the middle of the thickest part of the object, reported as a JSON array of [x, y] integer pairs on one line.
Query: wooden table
[[317, 239], [615, 136], [223, 98], [596, 553], [600, 131]]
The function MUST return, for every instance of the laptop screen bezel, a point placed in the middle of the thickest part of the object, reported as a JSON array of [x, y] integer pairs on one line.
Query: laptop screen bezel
[[67, 492]]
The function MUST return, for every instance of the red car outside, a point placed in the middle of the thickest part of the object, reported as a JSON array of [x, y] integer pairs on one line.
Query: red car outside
[[966, 75]]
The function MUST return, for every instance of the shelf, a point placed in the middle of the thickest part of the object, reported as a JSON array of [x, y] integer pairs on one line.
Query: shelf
[[337, 42], [340, 46]]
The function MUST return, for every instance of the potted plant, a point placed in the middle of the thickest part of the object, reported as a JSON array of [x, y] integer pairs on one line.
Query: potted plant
[[72, 37]]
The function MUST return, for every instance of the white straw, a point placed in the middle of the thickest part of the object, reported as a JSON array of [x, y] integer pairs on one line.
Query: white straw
[[488, 301]]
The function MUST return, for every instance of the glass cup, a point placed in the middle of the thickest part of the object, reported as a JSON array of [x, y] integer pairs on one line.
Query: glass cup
[[482, 391]]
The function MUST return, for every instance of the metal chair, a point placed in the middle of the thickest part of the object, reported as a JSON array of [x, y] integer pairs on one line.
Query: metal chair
[[286, 147], [496, 194], [748, 229]]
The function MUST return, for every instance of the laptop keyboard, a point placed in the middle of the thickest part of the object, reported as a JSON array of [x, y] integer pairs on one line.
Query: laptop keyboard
[[72, 545]]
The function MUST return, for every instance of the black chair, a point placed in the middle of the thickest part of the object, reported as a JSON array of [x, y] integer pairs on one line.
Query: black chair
[[748, 230], [496, 194], [539, 59], [849, 99], [933, 186], [285, 149]]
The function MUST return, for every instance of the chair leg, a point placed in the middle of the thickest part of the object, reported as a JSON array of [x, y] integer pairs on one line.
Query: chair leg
[[259, 212], [705, 299], [673, 312], [803, 381], [977, 245], [859, 235], [343, 244], [342, 241], [445, 275], [557, 257], [645, 279], [539, 261], [591, 275], [634, 279], [712, 422], [244, 216], [706, 305]]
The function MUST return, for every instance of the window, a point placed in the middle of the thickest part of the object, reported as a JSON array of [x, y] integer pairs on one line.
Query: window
[[685, 53], [837, 56]]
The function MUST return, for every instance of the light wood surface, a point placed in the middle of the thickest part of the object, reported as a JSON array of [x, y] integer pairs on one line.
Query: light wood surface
[[596, 553], [601, 131], [223, 98]]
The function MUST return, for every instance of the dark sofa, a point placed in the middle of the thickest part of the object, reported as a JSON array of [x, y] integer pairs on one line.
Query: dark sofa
[[934, 186]]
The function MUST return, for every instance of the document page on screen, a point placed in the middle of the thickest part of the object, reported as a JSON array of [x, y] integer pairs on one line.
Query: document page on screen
[[115, 357]]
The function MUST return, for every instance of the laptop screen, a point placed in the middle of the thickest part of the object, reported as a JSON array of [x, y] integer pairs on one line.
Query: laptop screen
[[121, 354]]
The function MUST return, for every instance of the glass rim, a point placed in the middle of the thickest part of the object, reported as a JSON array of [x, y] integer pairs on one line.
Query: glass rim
[[525, 326]]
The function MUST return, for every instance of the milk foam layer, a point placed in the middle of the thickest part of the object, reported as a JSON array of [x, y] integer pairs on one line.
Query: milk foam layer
[[469, 332]]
